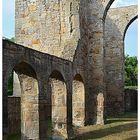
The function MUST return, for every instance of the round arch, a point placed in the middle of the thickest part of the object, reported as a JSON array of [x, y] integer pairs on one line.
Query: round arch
[[127, 26], [58, 100], [107, 8], [29, 116]]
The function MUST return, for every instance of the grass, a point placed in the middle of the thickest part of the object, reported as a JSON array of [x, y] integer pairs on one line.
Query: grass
[[131, 87], [116, 128], [123, 127]]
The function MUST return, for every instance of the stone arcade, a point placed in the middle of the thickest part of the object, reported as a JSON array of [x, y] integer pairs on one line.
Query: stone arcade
[[69, 57]]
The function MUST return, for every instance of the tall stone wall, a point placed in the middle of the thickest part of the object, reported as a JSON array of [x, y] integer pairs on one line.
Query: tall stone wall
[[72, 30], [48, 26], [116, 24], [76, 30]]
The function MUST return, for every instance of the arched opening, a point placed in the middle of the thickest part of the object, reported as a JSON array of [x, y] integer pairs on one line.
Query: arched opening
[[131, 65], [14, 109], [27, 121], [14, 88], [58, 105], [78, 101]]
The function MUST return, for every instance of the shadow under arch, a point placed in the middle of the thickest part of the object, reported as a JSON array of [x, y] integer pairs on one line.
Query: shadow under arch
[[25, 68], [29, 115], [58, 105], [78, 101]]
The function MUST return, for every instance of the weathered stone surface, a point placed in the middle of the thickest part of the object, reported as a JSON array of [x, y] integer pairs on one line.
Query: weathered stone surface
[[78, 101], [48, 26], [71, 37], [14, 119], [131, 99], [116, 24]]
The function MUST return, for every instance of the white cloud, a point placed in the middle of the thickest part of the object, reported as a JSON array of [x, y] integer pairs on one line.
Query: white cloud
[[120, 3]]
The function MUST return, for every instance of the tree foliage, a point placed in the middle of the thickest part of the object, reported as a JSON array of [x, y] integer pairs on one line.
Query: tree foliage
[[10, 84], [131, 71]]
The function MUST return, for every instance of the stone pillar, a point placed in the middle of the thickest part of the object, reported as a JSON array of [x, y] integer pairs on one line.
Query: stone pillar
[[5, 109], [29, 108], [14, 115], [95, 63], [59, 109], [78, 102]]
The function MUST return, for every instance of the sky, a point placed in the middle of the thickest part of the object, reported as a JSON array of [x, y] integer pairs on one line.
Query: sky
[[131, 37]]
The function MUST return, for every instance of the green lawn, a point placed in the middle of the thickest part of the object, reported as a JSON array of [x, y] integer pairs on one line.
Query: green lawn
[[132, 87], [117, 128], [122, 127]]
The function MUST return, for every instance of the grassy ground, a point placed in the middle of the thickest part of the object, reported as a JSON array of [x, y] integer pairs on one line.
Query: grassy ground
[[117, 128], [14, 137], [132, 87], [123, 127]]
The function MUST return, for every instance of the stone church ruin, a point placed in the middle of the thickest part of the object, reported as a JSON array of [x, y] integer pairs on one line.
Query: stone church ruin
[[68, 63]]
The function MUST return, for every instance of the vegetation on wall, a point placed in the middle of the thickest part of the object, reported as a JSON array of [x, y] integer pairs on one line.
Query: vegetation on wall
[[131, 71], [10, 81], [10, 85]]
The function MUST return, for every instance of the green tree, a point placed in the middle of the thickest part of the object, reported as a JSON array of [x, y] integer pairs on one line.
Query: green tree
[[10, 84], [131, 71]]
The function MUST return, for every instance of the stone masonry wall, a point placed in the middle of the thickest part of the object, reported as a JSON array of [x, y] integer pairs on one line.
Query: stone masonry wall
[[43, 65], [74, 30], [48, 26], [116, 24], [14, 115], [131, 99], [29, 108]]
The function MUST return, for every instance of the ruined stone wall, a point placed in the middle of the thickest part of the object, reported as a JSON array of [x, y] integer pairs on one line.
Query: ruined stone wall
[[48, 26], [14, 115], [131, 99], [72, 30], [116, 24], [34, 104], [29, 108]]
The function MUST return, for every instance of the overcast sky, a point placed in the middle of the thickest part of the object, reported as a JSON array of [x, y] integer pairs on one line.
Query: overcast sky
[[8, 21]]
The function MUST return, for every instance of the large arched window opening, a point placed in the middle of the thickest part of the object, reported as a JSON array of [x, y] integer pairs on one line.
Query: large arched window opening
[[131, 65], [131, 53], [28, 126], [78, 101], [58, 104]]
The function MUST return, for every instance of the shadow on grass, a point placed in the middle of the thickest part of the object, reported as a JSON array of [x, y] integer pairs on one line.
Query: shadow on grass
[[115, 121], [129, 116], [106, 131], [14, 137]]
